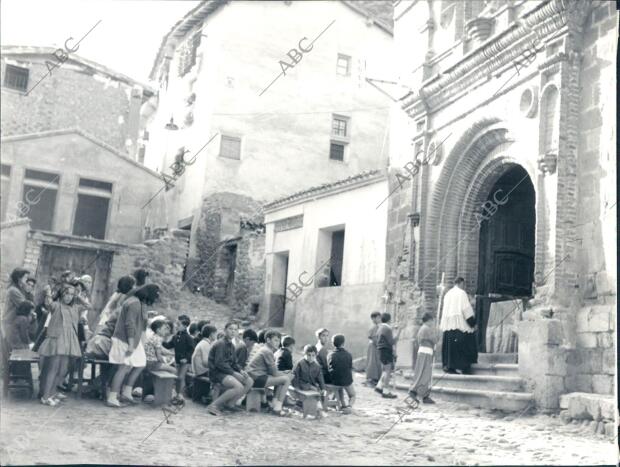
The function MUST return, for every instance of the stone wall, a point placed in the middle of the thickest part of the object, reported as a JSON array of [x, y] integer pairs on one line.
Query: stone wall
[[13, 245], [598, 413], [592, 365], [72, 96], [229, 221], [164, 258]]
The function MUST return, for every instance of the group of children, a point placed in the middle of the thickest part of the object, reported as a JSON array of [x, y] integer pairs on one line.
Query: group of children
[[381, 357], [237, 362], [231, 361]]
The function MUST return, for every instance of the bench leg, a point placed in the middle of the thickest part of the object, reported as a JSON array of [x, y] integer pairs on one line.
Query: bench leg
[[163, 390], [80, 379], [252, 401], [310, 405]]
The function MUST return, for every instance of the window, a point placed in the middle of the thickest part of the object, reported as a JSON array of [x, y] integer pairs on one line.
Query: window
[[339, 127], [336, 151], [343, 65], [187, 54], [91, 214], [330, 256], [39, 199], [86, 183], [549, 127], [4, 189], [16, 77], [339, 137], [230, 147]]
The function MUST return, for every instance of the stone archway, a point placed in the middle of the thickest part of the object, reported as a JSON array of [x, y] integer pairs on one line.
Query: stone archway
[[443, 233]]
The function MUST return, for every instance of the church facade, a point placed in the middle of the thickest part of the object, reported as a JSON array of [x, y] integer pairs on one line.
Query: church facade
[[503, 171]]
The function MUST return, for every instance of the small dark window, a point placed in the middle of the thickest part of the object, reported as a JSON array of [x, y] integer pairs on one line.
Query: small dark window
[[6, 170], [230, 147], [43, 176], [336, 151], [141, 154], [38, 205], [16, 77], [91, 216], [331, 274], [87, 183]]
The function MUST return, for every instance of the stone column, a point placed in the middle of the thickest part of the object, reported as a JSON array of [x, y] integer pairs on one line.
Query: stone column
[[543, 360]]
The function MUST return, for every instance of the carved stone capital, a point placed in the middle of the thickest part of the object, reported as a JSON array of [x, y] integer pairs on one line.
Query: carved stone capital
[[548, 162]]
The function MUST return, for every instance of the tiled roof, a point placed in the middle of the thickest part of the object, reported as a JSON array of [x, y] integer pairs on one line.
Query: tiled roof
[[379, 11], [366, 176], [25, 50]]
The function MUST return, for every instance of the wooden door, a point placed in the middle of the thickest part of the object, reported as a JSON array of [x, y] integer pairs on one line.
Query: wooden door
[[55, 260], [506, 248]]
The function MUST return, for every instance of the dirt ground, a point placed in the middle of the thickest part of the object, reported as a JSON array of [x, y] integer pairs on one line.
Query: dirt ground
[[443, 434]]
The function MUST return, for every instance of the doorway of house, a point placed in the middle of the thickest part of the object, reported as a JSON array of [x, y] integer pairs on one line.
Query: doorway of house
[[231, 256], [55, 260], [505, 261], [277, 306]]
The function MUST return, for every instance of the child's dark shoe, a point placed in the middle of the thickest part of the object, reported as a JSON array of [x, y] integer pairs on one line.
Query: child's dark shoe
[[428, 400]]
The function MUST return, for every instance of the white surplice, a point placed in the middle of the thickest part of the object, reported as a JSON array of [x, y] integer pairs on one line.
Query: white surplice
[[456, 310]]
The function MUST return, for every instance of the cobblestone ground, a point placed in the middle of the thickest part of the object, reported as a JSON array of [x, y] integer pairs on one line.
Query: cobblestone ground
[[442, 434]]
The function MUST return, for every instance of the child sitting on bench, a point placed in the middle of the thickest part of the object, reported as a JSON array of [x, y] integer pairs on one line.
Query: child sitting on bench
[[263, 370], [284, 355], [340, 364], [154, 350], [308, 374], [200, 362]]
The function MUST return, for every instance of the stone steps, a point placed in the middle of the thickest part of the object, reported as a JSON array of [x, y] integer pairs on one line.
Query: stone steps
[[497, 369], [508, 401], [497, 358], [494, 384], [490, 382]]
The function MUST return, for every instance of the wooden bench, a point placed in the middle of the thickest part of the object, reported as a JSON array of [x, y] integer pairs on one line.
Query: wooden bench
[[197, 381], [253, 399], [309, 399], [105, 374], [163, 382], [21, 358]]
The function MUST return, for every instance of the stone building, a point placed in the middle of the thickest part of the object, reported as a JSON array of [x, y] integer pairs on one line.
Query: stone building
[[69, 139], [250, 142], [325, 259], [507, 139]]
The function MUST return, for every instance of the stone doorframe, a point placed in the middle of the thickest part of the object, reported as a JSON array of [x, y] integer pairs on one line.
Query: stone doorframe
[[451, 230]]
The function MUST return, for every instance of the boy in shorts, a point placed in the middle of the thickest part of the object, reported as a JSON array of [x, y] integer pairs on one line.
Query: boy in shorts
[[387, 357], [262, 369]]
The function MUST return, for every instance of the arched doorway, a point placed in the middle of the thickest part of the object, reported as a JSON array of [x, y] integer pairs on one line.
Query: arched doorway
[[506, 247]]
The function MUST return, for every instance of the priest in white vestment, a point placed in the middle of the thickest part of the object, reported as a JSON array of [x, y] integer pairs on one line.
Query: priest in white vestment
[[459, 349]]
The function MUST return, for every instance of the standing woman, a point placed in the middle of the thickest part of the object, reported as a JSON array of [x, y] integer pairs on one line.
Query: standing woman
[[15, 294], [373, 365], [127, 351], [60, 345]]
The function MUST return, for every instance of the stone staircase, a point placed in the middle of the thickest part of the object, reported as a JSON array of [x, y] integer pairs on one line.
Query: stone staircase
[[494, 384]]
